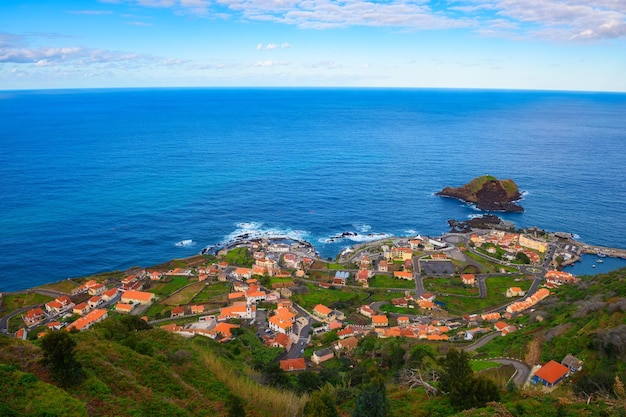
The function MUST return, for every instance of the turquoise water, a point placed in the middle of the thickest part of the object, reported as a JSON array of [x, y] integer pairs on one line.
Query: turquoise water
[[96, 180]]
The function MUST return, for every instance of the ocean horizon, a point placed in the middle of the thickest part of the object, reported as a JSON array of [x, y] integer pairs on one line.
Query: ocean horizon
[[105, 179]]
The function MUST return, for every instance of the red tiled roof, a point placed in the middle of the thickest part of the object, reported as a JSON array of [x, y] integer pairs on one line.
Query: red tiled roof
[[552, 371]]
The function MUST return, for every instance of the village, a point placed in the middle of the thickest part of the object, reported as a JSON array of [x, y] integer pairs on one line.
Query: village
[[458, 288]]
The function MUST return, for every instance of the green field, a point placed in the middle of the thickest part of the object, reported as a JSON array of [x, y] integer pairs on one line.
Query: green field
[[14, 301], [167, 288], [478, 366], [452, 286], [496, 289], [317, 295], [386, 281], [211, 292]]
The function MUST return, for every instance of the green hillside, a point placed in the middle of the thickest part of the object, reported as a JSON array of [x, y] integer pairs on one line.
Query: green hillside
[[131, 369]]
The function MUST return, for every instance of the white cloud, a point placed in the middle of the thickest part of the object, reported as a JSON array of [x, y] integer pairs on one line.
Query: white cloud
[[138, 23], [259, 47], [270, 63], [562, 19], [271, 46], [285, 45]]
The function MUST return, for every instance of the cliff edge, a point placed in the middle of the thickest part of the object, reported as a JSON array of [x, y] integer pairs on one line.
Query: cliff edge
[[487, 193]]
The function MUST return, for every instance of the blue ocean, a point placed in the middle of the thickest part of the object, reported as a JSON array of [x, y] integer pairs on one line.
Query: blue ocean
[[100, 180]]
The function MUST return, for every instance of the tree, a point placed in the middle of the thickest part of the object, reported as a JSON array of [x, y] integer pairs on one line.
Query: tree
[[464, 389], [58, 354], [372, 401], [521, 257], [321, 404], [273, 375], [308, 382]]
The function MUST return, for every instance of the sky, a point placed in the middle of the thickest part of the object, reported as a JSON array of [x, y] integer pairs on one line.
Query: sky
[[495, 44]]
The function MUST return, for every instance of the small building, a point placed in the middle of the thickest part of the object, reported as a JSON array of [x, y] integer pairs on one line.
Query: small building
[[383, 265], [178, 311], [468, 279], [573, 363], [124, 308], [550, 374], [293, 365], [323, 312], [348, 343], [515, 292], [138, 297], [81, 309], [197, 309], [367, 311], [322, 355], [403, 275], [403, 321], [89, 320], [380, 321]]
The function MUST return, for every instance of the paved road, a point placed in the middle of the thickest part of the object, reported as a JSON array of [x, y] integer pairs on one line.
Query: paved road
[[482, 341], [522, 370], [4, 321]]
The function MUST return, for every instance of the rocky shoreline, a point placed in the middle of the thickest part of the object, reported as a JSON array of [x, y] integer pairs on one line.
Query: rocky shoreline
[[487, 193]]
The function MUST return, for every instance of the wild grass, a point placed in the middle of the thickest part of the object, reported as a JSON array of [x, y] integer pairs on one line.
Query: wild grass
[[272, 401]]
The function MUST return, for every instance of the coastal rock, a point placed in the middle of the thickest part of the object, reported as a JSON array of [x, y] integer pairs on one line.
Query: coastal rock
[[487, 193]]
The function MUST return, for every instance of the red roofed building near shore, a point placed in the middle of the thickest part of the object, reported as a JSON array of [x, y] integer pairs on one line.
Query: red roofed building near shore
[[550, 374], [34, 316], [89, 320], [380, 321], [322, 311], [124, 308]]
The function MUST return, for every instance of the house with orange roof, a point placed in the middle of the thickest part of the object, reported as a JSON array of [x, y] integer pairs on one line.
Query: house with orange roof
[[96, 289], [95, 301], [491, 316], [138, 297], [425, 305], [322, 355], [178, 311], [236, 295], [21, 334], [81, 309], [380, 321], [55, 325], [362, 276], [225, 329], [559, 277], [334, 325], [367, 311], [468, 279], [239, 309], [347, 332], [348, 343], [514, 292], [403, 275], [155, 275], [89, 320], [550, 374], [255, 296], [293, 365], [401, 253], [291, 260], [259, 270], [124, 308], [179, 272], [428, 296], [403, 321], [197, 309], [323, 312], [279, 340], [59, 305], [282, 321], [383, 265], [109, 294], [242, 273]]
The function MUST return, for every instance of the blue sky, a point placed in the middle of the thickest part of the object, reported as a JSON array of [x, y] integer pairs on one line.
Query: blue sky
[[512, 44]]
